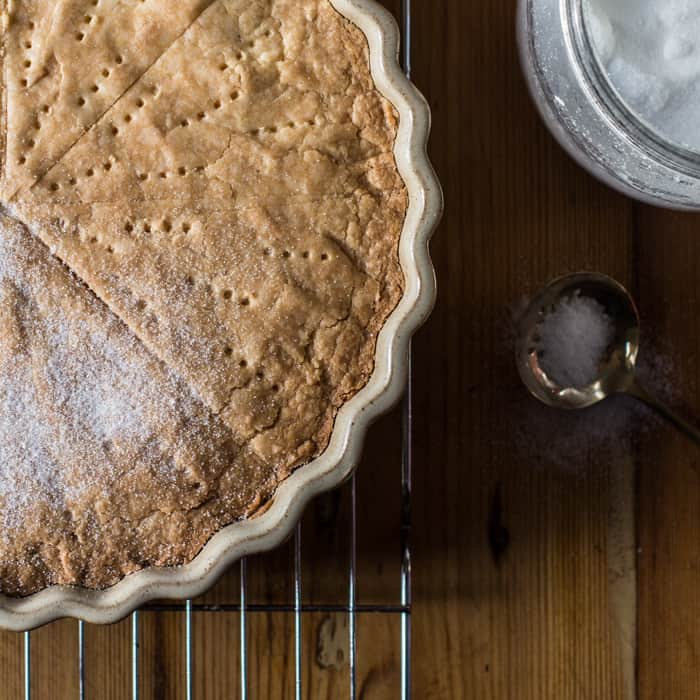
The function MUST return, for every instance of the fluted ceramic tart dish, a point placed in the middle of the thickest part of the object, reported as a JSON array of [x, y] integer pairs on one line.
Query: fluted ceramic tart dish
[[214, 232]]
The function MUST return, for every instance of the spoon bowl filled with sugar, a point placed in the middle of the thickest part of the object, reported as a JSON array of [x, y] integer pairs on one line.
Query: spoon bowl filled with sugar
[[578, 342]]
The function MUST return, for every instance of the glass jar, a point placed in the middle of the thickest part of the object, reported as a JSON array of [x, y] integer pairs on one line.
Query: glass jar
[[587, 116]]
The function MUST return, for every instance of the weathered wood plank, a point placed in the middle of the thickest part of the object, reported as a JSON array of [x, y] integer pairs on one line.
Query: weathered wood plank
[[511, 554], [668, 247]]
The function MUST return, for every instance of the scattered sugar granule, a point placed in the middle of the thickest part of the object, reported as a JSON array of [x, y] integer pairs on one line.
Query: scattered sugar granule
[[573, 339], [589, 440]]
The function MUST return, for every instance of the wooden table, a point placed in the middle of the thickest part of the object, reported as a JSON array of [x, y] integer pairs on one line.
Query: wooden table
[[554, 556]]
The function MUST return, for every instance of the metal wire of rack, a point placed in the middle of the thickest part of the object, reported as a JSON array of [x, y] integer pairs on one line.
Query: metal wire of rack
[[351, 608]]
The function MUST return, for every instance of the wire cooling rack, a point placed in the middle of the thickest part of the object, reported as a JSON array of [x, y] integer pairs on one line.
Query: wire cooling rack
[[244, 608]]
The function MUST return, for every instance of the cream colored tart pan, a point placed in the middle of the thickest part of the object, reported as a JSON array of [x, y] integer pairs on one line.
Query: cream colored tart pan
[[381, 393]]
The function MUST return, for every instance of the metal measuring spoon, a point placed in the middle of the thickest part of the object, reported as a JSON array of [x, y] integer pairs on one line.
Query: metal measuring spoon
[[616, 372]]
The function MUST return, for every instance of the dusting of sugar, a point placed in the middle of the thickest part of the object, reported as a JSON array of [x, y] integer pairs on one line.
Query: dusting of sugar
[[591, 438], [584, 440], [573, 339], [28, 470], [78, 399]]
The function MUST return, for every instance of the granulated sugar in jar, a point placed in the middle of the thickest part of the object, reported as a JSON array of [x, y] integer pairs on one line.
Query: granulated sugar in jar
[[618, 84], [650, 50]]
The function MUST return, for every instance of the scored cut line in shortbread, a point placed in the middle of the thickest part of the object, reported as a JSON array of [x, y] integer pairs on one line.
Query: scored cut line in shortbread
[[91, 423], [240, 209], [49, 106]]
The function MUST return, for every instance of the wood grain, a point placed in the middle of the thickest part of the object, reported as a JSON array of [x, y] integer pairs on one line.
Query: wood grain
[[512, 545], [555, 557], [11, 658], [669, 518], [107, 661]]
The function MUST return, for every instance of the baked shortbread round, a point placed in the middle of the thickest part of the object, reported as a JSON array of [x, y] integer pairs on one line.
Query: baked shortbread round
[[198, 248]]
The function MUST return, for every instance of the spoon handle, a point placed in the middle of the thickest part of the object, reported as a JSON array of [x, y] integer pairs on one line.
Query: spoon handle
[[639, 392]]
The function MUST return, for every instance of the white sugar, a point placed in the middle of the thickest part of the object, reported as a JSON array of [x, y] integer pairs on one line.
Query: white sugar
[[28, 471], [573, 340], [100, 391], [651, 51], [80, 401]]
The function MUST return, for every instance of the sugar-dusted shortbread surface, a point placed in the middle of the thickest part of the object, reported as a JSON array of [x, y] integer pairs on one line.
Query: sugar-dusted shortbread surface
[[215, 180], [108, 461]]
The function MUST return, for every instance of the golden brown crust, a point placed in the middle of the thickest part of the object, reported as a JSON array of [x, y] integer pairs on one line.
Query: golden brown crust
[[238, 208], [109, 462], [68, 61]]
